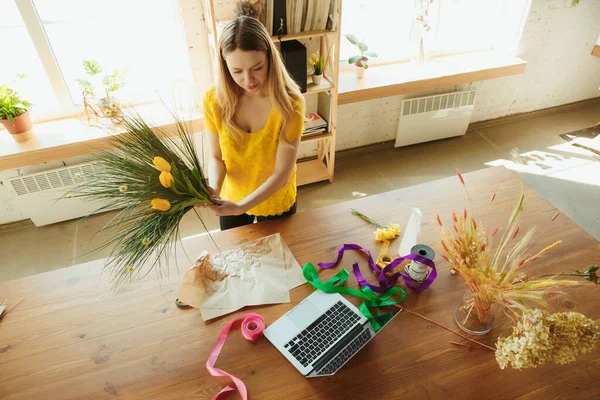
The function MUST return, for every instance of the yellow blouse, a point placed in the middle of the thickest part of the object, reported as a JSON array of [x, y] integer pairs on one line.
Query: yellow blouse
[[250, 161]]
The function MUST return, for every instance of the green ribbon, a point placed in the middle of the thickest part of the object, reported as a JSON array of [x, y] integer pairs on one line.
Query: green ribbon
[[334, 285]]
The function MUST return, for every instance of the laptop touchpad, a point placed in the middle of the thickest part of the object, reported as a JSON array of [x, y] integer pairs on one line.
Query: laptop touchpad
[[304, 314]]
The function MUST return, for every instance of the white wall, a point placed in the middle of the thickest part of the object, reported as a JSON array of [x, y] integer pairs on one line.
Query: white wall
[[556, 44]]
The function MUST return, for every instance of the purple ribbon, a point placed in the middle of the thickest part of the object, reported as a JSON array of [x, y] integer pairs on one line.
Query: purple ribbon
[[385, 282]]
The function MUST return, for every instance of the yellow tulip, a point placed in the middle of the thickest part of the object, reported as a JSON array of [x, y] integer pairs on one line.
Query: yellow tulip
[[166, 179], [161, 164], [161, 204]]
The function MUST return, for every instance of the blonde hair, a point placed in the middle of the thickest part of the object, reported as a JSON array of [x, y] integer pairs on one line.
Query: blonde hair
[[248, 34]]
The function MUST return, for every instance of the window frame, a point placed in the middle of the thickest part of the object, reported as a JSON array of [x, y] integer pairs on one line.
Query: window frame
[[34, 27]]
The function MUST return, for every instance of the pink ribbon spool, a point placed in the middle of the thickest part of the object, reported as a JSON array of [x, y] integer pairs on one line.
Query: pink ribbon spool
[[252, 328]]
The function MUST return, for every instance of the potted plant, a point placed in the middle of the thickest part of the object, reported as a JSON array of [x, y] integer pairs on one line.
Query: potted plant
[[360, 60], [13, 110], [108, 106], [318, 64]]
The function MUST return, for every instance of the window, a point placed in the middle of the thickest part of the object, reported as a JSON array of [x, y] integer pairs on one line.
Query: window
[[20, 56], [51, 38], [383, 25], [463, 26], [392, 29]]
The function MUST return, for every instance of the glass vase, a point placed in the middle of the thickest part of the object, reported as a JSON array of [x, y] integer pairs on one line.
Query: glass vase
[[474, 315]]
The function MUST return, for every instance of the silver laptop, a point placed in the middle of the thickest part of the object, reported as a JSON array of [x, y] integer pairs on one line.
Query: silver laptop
[[321, 334]]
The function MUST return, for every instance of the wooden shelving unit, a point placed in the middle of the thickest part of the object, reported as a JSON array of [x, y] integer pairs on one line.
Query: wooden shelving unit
[[321, 168]]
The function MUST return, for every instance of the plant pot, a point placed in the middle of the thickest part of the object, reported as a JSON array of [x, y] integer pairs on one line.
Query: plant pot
[[473, 316], [22, 124], [317, 78], [360, 72]]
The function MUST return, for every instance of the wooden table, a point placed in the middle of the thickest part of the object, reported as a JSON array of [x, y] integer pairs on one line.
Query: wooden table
[[72, 339]]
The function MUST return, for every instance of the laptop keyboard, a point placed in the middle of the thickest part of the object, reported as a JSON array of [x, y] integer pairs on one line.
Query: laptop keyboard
[[309, 344], [345, 354]]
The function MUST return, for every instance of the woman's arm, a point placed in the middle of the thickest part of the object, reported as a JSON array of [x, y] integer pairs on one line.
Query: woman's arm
[[216, 166], [284, 165]]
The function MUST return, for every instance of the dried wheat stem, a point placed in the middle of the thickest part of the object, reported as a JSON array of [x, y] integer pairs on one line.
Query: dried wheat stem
[[469, 313], [467, 346], [446, 328]]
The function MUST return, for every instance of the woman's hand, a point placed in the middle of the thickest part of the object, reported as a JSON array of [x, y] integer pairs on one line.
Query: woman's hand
[[222, 208], [213, 192]]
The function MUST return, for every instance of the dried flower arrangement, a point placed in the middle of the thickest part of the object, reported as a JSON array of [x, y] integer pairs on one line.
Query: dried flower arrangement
[[497, 279]]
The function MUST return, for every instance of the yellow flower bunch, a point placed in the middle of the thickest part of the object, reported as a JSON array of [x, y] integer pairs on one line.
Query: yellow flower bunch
[[382, 234], [180, 185]]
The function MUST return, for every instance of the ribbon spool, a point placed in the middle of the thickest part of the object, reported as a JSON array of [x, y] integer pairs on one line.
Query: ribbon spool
[[384, 258], [252, 328], [416, 270]]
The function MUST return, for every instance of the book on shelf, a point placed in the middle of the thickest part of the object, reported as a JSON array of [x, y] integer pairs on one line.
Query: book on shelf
[[293, 16], [321, 15], [279, 22], [313, 124], [315, 133], [331, 24]]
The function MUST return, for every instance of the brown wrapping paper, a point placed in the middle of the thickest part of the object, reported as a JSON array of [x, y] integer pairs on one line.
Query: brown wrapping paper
[[259, 272]]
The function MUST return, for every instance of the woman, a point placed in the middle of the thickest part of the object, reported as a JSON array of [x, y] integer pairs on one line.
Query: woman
[[255, 117]]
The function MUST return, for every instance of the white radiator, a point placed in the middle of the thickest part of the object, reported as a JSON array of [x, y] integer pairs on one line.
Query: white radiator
[[435, 117], [41, 196]]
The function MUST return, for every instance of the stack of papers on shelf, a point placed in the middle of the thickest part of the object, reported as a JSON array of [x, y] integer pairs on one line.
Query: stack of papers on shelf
[[314, 124]]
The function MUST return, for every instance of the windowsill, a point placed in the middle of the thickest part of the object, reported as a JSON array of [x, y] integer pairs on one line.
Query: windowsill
[[65, 138], [596, 50], [409, 77]]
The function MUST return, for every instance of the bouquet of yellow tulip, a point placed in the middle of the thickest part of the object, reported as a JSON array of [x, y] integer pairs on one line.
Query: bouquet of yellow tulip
[[154, 177]]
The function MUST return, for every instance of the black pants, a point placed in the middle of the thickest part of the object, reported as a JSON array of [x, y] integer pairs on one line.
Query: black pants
[[233, 221]]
